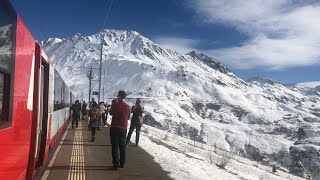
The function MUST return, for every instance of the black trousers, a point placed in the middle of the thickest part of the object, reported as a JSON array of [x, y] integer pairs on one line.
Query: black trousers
[[99, 122], [133, 126], [75, 118], [93, 131], [118, 142]]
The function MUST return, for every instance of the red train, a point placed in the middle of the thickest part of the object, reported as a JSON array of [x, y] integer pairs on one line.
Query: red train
[[34, 100]]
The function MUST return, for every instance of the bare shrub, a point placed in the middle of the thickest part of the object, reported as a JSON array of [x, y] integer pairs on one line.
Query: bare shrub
[[166, 137], [226, 156]]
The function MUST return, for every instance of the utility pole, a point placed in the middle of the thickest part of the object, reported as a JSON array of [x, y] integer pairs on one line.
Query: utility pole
[[90, 78], [100, 72], [104, 81]]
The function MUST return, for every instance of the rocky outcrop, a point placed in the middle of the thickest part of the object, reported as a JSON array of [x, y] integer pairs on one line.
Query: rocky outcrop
[[305, 161]]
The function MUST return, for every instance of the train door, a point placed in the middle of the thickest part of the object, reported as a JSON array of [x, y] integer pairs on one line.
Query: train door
[[42, 113]]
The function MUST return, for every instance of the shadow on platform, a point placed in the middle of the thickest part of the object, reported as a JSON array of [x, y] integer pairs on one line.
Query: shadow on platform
[[93, 161]]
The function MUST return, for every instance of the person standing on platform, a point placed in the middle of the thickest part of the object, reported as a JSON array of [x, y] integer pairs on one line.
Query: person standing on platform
[[92, 103], [106, 112], [84, 108], [101, 108], [76, 108], [86, 118], [94, 114], [136, 121], [120, 112]]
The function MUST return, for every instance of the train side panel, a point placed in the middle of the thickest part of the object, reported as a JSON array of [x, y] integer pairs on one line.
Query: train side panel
[[34, 103], [15, 139]]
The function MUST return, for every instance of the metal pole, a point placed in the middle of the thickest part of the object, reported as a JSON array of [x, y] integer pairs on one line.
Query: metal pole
[[104, 80], [100, 72], [103, 94], [90, 77]]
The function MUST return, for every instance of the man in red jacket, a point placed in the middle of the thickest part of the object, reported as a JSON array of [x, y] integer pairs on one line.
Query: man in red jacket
[[120, 112]]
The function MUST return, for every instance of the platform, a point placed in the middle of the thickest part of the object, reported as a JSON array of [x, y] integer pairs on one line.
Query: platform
[[76, 158]]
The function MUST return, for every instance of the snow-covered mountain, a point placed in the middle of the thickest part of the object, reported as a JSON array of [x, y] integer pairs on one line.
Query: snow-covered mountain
[[308, 84], [195, 96], [309, 88]]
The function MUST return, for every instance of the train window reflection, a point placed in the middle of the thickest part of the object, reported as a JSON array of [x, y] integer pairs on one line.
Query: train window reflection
[[1, 95], [61, 93], [4, 100], [7, 23], [6, 39]]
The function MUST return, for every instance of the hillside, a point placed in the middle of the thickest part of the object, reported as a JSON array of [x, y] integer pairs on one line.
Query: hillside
[[195, 96]]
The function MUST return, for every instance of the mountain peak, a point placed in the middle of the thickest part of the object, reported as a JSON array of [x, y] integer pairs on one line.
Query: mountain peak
[[51, 41], [210, 61], [262, 80], [195, 54], [118, 33]]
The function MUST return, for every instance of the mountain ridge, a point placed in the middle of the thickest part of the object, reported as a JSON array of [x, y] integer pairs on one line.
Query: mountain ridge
[[195, 96]]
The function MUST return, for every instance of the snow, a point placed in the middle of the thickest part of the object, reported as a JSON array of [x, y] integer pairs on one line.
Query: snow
[[195, 97], [186, 159]]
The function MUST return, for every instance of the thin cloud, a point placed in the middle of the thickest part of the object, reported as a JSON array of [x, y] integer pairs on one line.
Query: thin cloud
[[284, 33], [182, 45], [173, 23]]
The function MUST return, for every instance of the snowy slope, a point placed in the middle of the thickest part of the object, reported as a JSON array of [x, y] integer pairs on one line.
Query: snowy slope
[[196, 97]]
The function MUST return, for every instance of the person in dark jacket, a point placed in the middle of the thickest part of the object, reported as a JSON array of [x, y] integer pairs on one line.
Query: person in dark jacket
[[94, 115], [93, 102], [137, 111], [120, 112], [84, 108], [76, 108]]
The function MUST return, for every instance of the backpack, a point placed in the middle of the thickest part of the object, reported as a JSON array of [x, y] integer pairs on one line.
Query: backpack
[[95, 113]]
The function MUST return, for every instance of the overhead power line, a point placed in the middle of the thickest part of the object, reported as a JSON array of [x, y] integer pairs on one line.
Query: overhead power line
[[101, 54], [107, 12]]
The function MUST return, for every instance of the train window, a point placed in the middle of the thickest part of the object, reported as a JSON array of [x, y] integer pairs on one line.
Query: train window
[[7, 22], [59, 86], [50, 100], [1, 95], [4, 100], [6, 39], [66, 95]]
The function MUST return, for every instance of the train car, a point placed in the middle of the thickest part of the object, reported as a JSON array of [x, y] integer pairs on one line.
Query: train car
[[34, 100]]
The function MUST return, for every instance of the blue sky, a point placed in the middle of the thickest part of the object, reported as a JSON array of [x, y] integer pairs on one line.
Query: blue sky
[[276, 39]]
